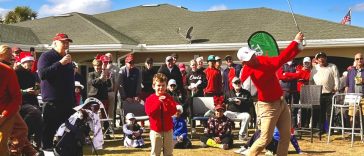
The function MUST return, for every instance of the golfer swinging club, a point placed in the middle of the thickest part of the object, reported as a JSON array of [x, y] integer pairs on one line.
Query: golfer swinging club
[[272, 109]]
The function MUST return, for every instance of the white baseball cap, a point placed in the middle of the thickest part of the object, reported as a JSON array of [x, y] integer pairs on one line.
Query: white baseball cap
[[129, 116], [172, 81], [245, 54], [179, 108], [306, 59], [78, 84]]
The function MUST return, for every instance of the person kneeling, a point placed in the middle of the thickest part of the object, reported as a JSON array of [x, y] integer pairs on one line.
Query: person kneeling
[[180, 130], [219, 130], [133, 133]]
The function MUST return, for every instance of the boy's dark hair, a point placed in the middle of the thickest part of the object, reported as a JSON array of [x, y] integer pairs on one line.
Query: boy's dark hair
[[159, 77]]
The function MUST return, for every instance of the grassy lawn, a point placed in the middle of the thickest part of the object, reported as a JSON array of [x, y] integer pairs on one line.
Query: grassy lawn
[[337, 147]]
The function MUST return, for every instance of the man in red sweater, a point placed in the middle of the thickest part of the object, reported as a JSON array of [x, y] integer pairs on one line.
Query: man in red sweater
[[214, 78], [10, 100], [272, 109], [160, 107]]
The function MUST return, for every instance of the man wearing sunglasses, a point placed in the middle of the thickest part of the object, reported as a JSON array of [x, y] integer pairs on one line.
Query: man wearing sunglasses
[[354, 80]]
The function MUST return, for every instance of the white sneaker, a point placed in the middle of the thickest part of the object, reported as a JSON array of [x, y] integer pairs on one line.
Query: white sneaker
[[269, 153], [243, 137], [241, 149], [246, 152]]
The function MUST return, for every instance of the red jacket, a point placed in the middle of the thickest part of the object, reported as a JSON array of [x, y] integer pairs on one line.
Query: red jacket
[[153, 110], [264, 75], [214, 81], [10, 95], [302, 76]]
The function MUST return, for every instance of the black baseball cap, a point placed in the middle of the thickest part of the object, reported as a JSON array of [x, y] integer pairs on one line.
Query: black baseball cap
[[228, 57], [149, 60], [320, 54]]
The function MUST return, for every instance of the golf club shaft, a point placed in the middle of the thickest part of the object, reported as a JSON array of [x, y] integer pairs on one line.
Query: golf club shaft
[[294, 18]]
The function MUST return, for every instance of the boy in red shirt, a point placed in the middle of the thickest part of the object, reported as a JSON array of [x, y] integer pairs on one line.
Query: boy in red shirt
[[214, 79], [160, 107]]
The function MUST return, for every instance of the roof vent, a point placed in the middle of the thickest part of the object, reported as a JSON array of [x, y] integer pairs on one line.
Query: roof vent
[[183, 7], [151, 5], [63, 15]]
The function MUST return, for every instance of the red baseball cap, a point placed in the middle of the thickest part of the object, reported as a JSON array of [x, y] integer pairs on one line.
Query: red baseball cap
[[129, 58], [182, 67], [62, 37], [105, 58], [220, 106]]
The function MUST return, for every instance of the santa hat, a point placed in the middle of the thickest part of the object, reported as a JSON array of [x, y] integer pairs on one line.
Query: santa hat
[[25, 56]]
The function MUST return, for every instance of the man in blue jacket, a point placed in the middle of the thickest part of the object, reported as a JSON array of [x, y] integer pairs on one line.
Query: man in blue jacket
[[57, 86]]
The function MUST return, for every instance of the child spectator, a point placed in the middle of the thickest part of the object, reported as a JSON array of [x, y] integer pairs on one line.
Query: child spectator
[[133, 132], [78, 93], [160, 107], [180, 130], [272, 146], [176, 94], [219, 129]]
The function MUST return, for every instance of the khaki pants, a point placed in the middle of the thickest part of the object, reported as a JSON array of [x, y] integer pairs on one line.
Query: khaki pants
[[361, 105], [6, 128], [157, 144], [19, 137], [271, 114]]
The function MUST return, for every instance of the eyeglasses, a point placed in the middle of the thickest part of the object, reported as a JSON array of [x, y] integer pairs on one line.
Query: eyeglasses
[[173, 85], [237, 82], [359, 58]]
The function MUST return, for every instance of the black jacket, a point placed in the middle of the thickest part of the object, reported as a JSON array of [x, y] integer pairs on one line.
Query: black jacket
[[26, 80], [98, 88], [175, 74], [244, 96], [194, 77]]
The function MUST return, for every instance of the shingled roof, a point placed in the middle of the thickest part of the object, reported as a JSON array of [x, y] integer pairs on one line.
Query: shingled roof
[[83, 29], [157, 25], [17, 35]]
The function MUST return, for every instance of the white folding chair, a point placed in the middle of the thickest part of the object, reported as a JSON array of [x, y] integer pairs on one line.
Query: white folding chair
[[345, 101]]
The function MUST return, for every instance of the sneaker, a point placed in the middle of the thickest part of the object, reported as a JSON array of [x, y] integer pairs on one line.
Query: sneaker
[[246, 152], [241, 149], [224, 146], [203, 145], [269, 153], [243, 137]]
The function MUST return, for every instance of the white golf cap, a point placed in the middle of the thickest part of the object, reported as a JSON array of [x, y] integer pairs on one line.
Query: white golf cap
[[172, 81], [179, 108], [245, 54], [78, 84], [129, 116], [306, 59]]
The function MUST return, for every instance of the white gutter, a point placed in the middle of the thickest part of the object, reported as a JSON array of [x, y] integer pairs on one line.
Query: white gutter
[[310, 44], [327, 43]]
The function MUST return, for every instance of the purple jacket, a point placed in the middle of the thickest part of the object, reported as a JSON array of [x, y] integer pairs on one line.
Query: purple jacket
[[350, 80]]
